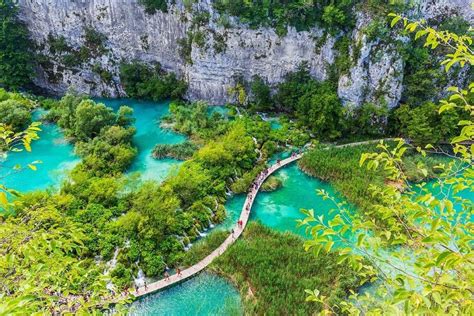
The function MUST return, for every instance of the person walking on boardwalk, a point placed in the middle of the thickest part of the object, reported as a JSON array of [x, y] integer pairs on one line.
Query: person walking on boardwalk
[[178, 270], [144, 282], [167, 276]]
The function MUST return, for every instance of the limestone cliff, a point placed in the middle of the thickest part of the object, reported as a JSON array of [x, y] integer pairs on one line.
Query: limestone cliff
[[131, 33]]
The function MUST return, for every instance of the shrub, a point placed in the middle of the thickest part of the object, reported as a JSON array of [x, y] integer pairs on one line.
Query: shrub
[[152, 6], [150, 82], [15, 114], [16, 55]]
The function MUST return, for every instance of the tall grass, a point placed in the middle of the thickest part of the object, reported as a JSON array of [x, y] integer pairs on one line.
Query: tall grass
[[272, 270]]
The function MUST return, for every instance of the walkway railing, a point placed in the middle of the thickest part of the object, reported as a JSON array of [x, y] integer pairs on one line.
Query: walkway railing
[[236, 232]]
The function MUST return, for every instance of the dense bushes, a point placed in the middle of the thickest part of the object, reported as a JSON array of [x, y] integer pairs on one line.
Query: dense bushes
[[15, 110], [423, 124], [152, 6], [281, 14], [103, 138], [192, 119], [150, 82], [315, 105], [272, 270], [16, 57], [44, 263]]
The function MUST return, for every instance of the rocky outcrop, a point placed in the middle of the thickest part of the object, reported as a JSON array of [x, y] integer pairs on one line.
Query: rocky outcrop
[[376, 72]]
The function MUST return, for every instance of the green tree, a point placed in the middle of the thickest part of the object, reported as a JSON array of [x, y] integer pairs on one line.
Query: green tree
[[424, 125], [15, 114], [320, 110], [16, 57], [429, 269], [42, 269], [151, 82], [261, 98]]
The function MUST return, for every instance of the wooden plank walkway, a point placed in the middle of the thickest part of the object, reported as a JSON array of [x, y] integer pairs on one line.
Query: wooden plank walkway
[[237, 231]]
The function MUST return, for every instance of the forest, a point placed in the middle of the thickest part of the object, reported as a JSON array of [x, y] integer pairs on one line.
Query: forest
[[396, 240]]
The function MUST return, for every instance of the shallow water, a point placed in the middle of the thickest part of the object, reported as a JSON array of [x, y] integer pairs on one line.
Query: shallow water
[[204, 294], [56, 156], [281, 209], [149, 133]]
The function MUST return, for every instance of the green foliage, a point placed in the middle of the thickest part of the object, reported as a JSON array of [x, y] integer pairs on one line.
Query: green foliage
[[181, 151], [150, 82], [16, 57], [422, 75], [423, 124], [299, 14], [94, 46], [429, 266], [271, 184], [340, 167], [152, 6], [261, 99], [186, 47], [320, 110], [43, 266], [104, 74], [90, 118], [377, 29], [11, 141], [343, 60], [290, 90], [103, 138], [15, 111], [369, 120], [202, 248], [271, 270], [110, 152], [192, 119], [58, 45]]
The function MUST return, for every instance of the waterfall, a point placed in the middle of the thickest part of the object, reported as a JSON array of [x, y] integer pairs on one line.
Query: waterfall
[[211, 225], [110, 265], [140, 279]]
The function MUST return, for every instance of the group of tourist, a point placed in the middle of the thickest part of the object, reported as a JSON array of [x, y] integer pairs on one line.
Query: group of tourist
[[253, 191]]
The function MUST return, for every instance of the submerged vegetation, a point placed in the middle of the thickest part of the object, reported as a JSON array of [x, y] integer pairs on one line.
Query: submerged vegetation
[[181, 151]]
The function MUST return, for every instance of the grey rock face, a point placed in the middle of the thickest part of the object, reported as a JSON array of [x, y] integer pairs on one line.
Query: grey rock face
[[133, 34]]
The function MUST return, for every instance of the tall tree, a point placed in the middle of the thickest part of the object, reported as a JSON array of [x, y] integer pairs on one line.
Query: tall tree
[[16, 56]]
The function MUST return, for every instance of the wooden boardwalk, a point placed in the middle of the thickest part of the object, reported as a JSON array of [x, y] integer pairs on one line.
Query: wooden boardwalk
[[237, 231]]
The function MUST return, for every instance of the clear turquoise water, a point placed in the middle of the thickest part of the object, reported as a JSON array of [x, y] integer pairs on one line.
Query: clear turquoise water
[[204, 294], [282, 208], [149, 133], [57, 157]]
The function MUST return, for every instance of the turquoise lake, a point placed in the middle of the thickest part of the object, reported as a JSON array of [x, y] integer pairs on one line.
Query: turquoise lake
[[149, 133], [205, 294], [56, 156], [282, 208]]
